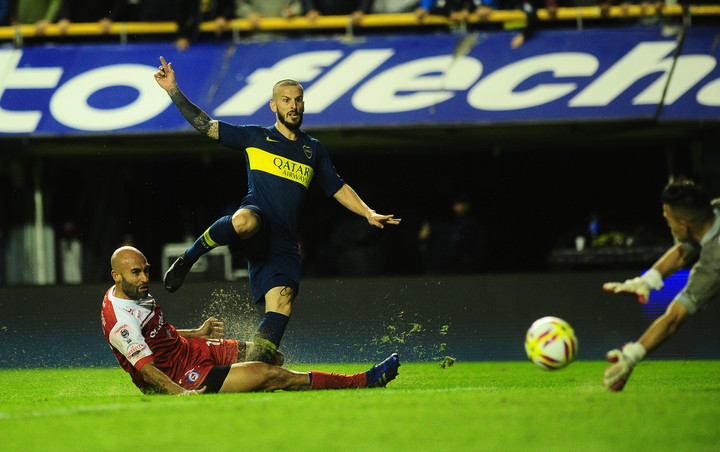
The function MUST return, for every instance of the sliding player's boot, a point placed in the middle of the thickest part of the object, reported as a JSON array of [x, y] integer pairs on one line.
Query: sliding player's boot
[[176, 274], [383, 373], [248, 346]]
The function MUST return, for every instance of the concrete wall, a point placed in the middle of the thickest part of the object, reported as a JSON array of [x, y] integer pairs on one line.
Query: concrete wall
[[472, 318]]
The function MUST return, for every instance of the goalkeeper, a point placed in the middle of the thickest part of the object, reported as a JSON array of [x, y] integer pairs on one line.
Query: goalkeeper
[[695, 224]]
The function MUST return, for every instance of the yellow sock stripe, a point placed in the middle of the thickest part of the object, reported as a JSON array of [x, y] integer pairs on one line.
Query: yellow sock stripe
[[210, 242]]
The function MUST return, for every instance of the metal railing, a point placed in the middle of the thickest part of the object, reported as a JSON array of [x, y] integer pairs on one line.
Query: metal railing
[[370, 21]]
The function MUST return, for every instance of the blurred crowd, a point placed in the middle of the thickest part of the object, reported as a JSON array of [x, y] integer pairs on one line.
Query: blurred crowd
[[188, 14]]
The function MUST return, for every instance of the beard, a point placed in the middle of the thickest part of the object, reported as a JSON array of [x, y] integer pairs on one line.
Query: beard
[[291, 125], [132, 291]]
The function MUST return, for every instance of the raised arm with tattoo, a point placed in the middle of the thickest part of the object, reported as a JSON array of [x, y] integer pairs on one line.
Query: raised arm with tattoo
[[165, 77]]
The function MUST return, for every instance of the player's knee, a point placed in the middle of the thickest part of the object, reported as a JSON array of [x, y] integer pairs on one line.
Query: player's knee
[[246, 223]]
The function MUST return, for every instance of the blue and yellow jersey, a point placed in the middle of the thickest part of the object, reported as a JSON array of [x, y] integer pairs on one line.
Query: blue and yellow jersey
[[280, 171]]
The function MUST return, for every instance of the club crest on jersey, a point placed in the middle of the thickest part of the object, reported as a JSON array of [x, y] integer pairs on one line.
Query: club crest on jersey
[[307, 150], [192, 376]]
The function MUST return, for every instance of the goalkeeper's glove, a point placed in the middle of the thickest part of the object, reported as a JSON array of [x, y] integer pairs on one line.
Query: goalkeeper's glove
[[640, 286], [624, 361]]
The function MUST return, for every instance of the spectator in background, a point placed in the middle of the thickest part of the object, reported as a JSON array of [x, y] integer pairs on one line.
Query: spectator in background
[[70, 254], [82, 11], [651, 13], [356, 250], [457, 10], [356, 9], [41, 13], [645, 7], [457, 245], [529, 7], [4, 13], [395, 6], [484, 8], [186, 13], [254, 10], [125, 10]]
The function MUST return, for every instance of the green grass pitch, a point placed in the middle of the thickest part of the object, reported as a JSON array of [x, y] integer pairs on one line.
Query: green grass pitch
[[493, 406]]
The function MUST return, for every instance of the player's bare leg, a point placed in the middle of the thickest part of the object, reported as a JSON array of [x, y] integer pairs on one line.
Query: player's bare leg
[[257, 376], [279, 299]]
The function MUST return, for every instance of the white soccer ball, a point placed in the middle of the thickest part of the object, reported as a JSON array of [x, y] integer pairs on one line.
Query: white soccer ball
[[550, 343]]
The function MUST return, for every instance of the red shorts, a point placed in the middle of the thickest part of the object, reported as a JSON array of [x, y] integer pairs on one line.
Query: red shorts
[[205, 354]]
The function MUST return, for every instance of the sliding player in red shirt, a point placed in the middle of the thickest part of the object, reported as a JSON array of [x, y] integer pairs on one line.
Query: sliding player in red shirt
[[161, 358]]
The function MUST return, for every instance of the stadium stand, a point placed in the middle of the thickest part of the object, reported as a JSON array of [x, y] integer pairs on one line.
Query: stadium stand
[[577, 15], [415, 137]]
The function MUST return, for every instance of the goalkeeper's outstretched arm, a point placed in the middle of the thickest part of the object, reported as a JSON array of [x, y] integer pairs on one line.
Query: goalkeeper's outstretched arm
[[664, 326], [673, 260], [615, 376]]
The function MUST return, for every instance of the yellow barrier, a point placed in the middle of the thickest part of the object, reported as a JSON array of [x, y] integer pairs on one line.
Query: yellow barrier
[[342, 22]]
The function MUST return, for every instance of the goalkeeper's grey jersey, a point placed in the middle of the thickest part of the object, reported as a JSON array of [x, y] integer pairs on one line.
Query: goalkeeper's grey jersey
[[704, 280]]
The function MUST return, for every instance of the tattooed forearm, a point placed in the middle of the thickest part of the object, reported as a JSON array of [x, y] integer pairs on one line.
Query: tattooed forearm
[[191, 112]]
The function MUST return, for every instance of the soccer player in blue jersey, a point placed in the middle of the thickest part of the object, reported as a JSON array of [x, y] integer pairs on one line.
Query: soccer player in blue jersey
[[281, 161]]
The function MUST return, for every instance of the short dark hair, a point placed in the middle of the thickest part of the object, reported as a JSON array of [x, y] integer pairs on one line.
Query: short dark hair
[[688, 201], [285, 82]]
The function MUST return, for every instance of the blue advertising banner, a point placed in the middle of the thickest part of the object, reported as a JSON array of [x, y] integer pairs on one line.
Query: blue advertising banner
[[373, 81]]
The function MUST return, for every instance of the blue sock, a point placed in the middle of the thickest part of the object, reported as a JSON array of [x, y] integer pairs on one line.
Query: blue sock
[[268, 336], [220, 233], [272, 327]]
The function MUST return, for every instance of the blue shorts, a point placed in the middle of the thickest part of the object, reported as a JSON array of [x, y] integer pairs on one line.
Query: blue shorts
[[268, 268], [276, 271]]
